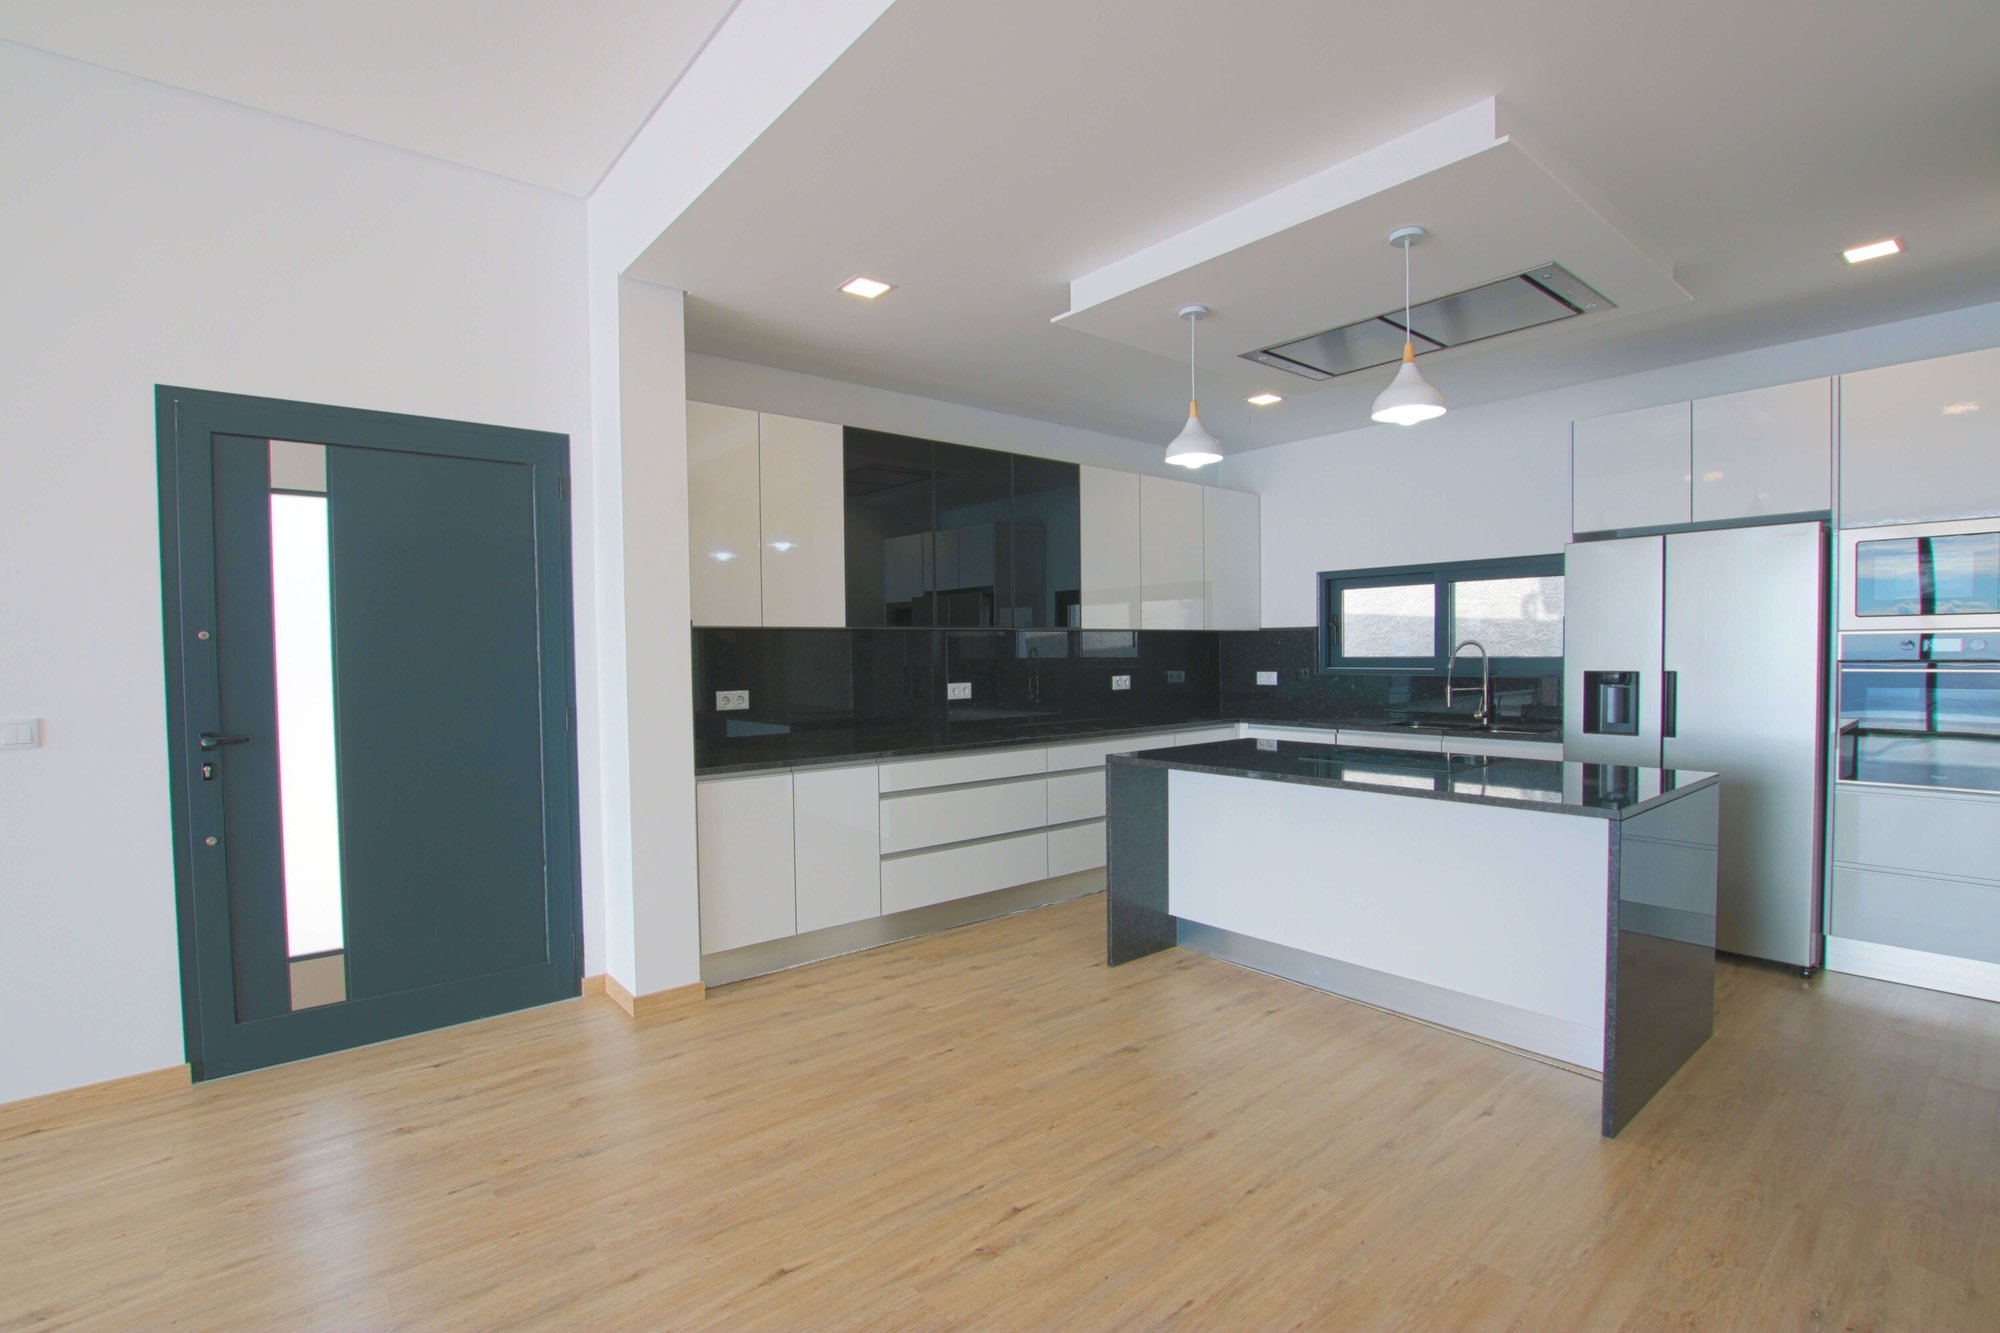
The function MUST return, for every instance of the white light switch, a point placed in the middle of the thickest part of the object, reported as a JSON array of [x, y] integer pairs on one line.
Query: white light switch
[[958, 689], [1121, 682], [1267, 678], [22, 734], [731, 701]]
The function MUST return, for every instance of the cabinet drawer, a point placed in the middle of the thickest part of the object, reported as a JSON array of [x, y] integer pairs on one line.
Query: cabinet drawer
[[1201, 735], [925, 878], [1503, 749], [1924, 832], [1074, 796], [943, 771], [1393, 740], [1946, 916], [960, 814], [1080, 847], [1090, 754]]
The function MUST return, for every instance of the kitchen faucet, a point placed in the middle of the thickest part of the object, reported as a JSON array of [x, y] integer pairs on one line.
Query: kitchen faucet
[[1485, 679]]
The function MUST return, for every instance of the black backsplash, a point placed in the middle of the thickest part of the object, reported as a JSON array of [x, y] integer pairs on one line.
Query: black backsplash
[[818, 693]]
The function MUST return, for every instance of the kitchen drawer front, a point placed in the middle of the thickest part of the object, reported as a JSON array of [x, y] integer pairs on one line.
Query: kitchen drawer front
[[1503, 749], [1074, 796], [1078, 847], [1090, 754], [1945, 916], [1202, 735], [1927, 832], [943, 771], [925, 878], [1308, 735], [1393, 740], [960, 814]]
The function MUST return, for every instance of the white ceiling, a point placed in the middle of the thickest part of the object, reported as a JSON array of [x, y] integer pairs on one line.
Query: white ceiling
[[542, 91], [983, 156]]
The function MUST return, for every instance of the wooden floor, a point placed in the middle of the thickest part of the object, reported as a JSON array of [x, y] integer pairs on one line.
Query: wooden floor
[[990, 1129]]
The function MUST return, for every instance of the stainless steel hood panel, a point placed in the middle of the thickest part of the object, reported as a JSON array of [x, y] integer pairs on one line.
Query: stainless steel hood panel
[[1487, 312]]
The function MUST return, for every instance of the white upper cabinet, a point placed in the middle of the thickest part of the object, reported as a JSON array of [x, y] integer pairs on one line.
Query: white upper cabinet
[[1108, 511], [1171, 555], [803, 522], [1632, 469], [1232, 560], [723, 568], [1764, 452], [1921, 441]]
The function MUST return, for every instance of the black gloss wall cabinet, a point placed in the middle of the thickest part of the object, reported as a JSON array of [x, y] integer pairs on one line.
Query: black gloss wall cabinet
[[951, 537]]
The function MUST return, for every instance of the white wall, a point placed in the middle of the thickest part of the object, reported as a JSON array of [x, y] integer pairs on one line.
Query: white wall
[[714, 379], [1493, 480], [152, 236]]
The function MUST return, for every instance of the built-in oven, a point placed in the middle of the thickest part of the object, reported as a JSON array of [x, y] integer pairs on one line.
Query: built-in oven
[[1940, 577], [1921, 710]]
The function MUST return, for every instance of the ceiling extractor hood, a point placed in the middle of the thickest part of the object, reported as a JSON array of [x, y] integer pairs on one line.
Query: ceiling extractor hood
[[1542, 295]]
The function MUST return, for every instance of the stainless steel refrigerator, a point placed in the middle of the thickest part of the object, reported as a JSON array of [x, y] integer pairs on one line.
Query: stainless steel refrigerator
[[1707, 650]]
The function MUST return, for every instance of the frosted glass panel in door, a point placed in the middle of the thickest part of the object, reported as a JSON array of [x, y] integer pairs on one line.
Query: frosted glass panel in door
[[1399, 620], [302, 642]]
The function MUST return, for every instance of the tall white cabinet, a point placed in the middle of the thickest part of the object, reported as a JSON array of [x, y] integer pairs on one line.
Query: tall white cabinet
[[766, 519]]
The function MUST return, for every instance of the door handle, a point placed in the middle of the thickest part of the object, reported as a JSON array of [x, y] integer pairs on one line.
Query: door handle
[[208, 740], [1670, 703]]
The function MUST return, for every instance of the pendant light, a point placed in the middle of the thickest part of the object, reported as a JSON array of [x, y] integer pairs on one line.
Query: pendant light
[[1410, 397], [1194, 447]]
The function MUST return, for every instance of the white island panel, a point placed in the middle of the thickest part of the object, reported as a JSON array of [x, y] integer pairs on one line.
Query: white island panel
[[1504, 907]]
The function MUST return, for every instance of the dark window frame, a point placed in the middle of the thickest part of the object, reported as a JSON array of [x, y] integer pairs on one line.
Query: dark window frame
[[1441, 575]]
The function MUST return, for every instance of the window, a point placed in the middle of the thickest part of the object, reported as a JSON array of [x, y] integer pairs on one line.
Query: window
[[1409, 618]]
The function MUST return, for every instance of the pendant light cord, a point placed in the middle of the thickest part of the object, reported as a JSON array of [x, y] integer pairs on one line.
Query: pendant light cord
[[1406, 291], [1192, 321]]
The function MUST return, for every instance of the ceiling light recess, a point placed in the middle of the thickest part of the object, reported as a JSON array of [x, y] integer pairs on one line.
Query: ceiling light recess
[[1861, 254], [866, 288], [1410, 397], [1194, 447]]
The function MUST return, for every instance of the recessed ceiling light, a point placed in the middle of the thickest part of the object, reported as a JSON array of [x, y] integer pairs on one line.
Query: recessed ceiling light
[[865, 288], [1264, 399], [1861, 254], [1958, 409]]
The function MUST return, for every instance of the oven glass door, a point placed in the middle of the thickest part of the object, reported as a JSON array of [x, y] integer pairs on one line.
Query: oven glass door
[[1945, 575], [1921, 726]]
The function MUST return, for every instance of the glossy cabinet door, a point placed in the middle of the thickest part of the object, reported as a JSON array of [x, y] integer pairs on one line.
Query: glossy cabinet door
[[1232, 559], [802, 525], [1921, 441], [723, 534], [836, 822], [1048, 574], [1109, 548], [1764, 452], [1170, 555], [743, 831], [891, 565], [1632, 469]]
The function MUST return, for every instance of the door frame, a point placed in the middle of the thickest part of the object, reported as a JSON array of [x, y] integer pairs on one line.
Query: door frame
[[186, 421]]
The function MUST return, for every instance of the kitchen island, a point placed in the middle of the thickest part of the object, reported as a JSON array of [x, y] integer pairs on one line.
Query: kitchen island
[[1566, 910]]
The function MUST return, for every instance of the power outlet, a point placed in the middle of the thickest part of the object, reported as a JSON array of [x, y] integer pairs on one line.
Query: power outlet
[[958, 689], [1177, 678], [1267, 678], [1121, 682], [731, 701]]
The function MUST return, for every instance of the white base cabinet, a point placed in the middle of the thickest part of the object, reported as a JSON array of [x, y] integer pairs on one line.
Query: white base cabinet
[[743, 831], [836, 822]]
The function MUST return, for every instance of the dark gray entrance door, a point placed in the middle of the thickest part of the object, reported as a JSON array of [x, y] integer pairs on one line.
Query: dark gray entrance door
[[370, 699]]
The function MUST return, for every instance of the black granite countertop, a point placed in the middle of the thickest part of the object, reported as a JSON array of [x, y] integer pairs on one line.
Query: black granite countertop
[[833, 747], [1602, 791]]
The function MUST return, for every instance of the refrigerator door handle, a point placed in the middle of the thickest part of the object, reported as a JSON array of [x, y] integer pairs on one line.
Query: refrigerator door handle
[[1670, 698]]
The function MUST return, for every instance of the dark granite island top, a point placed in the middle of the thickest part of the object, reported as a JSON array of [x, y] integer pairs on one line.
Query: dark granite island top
[[1565, 910], [1598, 791]]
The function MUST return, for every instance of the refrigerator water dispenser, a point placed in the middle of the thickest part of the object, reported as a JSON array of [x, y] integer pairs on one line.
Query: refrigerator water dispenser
[[1611, 703]]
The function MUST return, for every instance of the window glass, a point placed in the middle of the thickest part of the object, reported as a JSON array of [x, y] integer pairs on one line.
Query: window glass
[[1397, 620], [1510, 617]]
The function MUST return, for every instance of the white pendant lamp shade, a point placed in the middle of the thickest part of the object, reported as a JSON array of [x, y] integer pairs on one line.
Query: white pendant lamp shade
[[1410, 397], [1194, 447]]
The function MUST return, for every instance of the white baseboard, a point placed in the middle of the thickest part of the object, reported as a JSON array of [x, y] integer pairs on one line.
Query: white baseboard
[[1914, 967]]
